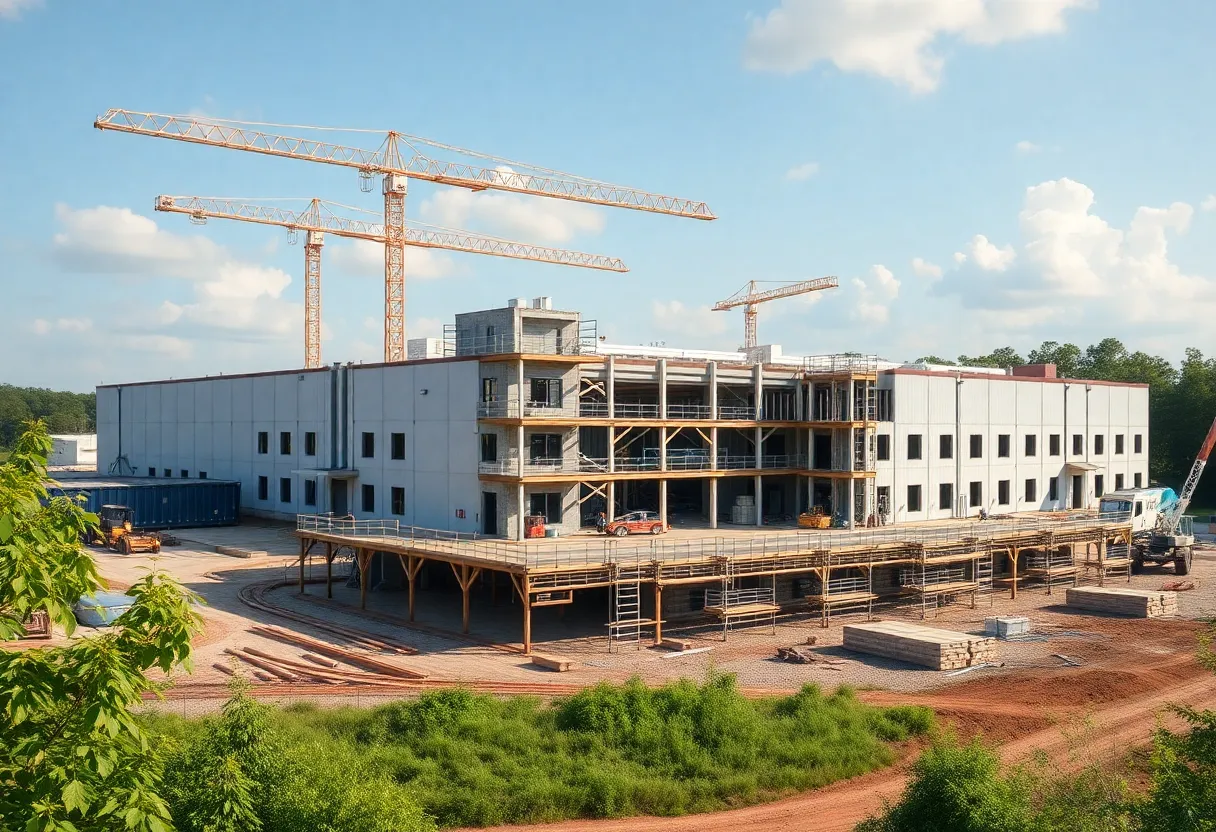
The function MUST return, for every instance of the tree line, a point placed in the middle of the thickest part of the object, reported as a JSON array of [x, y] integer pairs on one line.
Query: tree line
[[1182, 400], [63, 412]]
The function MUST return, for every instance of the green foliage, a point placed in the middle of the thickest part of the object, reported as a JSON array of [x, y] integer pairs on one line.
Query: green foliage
[[1003, 357], [62, 412], [610, 750], [72, 756], [1183, 792]]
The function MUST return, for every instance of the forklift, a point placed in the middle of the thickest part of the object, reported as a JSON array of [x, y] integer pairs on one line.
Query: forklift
[[116, 531]]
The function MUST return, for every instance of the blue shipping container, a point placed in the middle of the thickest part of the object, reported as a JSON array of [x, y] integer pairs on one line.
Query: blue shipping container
[[161, 504]]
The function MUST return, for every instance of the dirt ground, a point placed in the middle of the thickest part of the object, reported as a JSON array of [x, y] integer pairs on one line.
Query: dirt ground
[[1083, 687]]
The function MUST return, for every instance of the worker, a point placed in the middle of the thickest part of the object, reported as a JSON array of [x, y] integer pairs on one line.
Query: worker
[[601, 523]]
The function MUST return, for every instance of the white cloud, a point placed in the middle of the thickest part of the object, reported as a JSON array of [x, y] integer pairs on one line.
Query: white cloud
[[1073, 263], [1209, 203], [526, 218], [893, 39], [923, 268], [166, 346], [874, 295], [12, 9], [800, 173], [41, 326], [988, 257], [1025, 148], [692, 322], [363, 257]]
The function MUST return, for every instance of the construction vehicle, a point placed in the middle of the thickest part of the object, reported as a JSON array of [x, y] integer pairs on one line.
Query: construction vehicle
[[116, 531], [1161, 531]]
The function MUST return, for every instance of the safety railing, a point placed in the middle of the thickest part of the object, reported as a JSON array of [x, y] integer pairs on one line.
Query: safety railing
[[727, 598], [597, 552], [832, 364], [508, 343], [736, 413], [514, 409]]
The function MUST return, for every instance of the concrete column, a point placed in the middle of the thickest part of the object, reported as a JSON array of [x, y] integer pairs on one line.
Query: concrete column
[[610, 497], [758, 384], [799, 398], [523, 392], [713, 389], [662, 367], [713, 449], [519, 449], [663, 501], [759, 500], [611, 449], [610, 387], [520, 511], [758, 444], [713, 502], [849, 518], [663, 448]]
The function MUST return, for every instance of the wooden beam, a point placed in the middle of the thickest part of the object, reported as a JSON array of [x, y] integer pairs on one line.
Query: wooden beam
[[465, 575], [658, 613], [363, 557], [526, 595], [329, 570], [304, 547]]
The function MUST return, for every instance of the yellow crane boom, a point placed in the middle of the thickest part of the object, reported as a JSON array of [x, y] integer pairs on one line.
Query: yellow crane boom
[[319, 218], [396, 168], [749, 298]]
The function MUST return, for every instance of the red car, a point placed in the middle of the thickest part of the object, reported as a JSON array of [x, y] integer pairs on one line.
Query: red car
[[636, 522]]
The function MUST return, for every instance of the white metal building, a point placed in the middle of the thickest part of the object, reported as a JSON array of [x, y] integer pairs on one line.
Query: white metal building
[[526, 411]]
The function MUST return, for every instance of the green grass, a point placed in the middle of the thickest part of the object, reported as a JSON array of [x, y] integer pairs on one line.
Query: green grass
[[472, 760]]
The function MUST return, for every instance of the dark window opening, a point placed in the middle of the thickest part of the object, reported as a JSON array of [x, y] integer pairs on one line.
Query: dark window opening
[[263, 442], [1002, 445], [884, 501], [1032, 444], [1002, 492], [913, 498], [284, 443], [369, 445], [945, 495], [1053, 489], [284, 490], [185, 474], [548, 505], [1078, 444], [310, 444], [202, 475], [1118, 443], [1099, 444], [886, 410], [545, 446], [546, 392], [263, 488], [1118, 482], [151, 472], [914, 447], [1032, 491], [168, 472], [1099, 485], [368, 493], [310, 492], [977, 494], [397, 445], [1138, 443], [977, 445], [945, 446], [1137, 480], [489, 447], [489, 389], [1053, 445], [397, 499], [884, 447]]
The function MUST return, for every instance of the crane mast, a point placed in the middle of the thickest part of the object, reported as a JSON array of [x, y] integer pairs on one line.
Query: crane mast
[[318, 218], [396, 168], [750, 298]]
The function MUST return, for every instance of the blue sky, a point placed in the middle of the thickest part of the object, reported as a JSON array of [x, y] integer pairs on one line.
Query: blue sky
[[976, 172]]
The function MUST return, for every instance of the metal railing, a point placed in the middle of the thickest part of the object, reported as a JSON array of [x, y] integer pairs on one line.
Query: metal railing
[[830, 364], [727, 598], [510, 343], [599, 552], [513, 409]]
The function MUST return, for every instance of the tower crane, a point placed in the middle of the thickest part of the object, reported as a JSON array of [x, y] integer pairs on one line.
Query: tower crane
[[749, 297], [396, 168], [319, 218]]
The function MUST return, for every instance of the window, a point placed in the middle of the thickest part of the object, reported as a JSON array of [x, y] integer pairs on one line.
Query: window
[[1002, 492], [310, 443], [1032, 491], [263, 442], [945, 495], [914, 446], [489, 331], [945, 446], [168, 472], [913, 498], [1002, 445], [884, 446], [546, 392], [489, 389], [548, 505], [977, 494], [284, 443], [884, 500], [1136, 479], [369, 445], [886, 412], [545, 446], [263, 488], [489, 447], [1053, 489], [1099, 444], [284, 489], [397, 500], [151, 472], [1099, 485], [396, 445], [1053, 445], [1078, 444], [1118, 443], [977, 445], [369, 497], [202, 475], [185, 474], [1138, 444], [1032, 444], [1118, 482], [310, 492]]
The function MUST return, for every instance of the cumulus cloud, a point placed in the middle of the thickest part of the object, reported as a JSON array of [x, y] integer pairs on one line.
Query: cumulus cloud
[[41, 326], [689, 321], [1209, 203], [923, 268], [874, 295], [507, 215], [1025, 148], [12, 9], [1071, 260], [363, 257], [800, 173], [897, 40]]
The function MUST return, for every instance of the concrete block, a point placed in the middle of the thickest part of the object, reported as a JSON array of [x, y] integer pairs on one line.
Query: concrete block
[[1006, 627]]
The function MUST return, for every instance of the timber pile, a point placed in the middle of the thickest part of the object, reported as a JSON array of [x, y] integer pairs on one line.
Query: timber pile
[[1136, 603], [925, 646]]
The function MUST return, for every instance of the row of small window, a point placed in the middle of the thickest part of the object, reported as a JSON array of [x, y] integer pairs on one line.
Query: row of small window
[[368, 448], [945, 491], [202, 475], [945, 445], [367, 494]]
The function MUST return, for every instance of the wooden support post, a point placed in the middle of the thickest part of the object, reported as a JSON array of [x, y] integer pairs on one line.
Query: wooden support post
[[361, 557], [465, 576], [658, 613], [304, 547], [1102, 561], [412, 565], [526, 595], [1013, 568], [329, 570]]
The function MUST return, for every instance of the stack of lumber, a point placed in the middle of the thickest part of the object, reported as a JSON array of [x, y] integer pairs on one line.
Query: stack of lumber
[[1137, 603], [916, 644]]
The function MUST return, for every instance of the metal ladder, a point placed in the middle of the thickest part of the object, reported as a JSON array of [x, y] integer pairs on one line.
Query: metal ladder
[[625, 625], [983, 574]]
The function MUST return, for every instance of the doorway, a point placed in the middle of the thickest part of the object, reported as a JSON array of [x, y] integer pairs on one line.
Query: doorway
[[1078, 490], [337, 498], [489, 513]]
